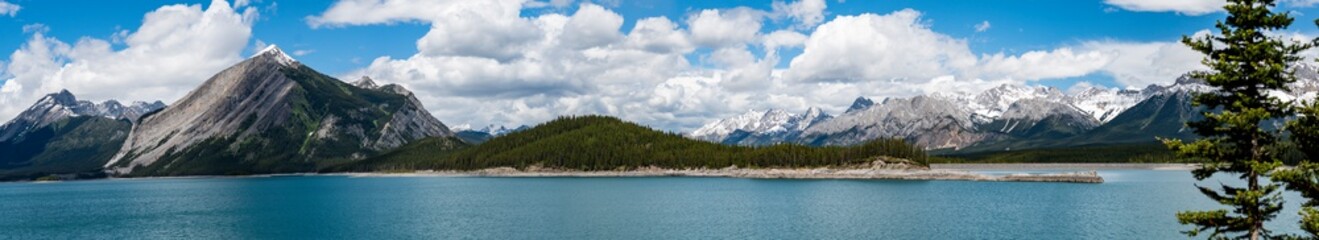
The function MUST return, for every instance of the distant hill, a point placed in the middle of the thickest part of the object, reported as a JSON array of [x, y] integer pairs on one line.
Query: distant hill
[[607, 143]]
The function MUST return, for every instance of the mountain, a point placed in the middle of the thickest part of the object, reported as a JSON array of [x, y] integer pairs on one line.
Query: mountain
[[861, 103], [760, 127], [63, 105], [272, 114], [928, 121], [607, 143], [1040, 118], [1011, 117], [479, 135], [61, 135]]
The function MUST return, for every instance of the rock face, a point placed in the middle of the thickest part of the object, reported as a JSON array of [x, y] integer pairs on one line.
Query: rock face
[[272, 114]]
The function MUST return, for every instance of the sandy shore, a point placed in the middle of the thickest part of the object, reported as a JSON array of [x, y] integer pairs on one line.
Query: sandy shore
[[815, 173], [1064, 166]]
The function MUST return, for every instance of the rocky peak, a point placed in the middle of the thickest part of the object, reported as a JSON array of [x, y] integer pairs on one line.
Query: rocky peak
[[365, 82], [859, 104], [62, 98], [273, 52]]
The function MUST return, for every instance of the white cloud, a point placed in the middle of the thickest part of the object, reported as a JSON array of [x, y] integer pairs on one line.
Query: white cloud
[[1036, 65], [1188, 7], [175, 49], [499, 66], [10, 9], [899, 47], [592, 26], [784, 38], [1137, 65], [1301, 3], [725, 28], [658, 35], [982, 26], [807, 13], [366, 12], [550, 3], [560, 65], [872, 47]]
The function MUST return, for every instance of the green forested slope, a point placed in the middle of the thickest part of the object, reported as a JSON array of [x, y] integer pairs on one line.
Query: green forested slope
[[606, 143], [74, 145]]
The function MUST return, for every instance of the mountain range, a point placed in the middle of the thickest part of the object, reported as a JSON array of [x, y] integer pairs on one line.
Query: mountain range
[[61, 134], [1001, 118], [266, 114], [272, 114]]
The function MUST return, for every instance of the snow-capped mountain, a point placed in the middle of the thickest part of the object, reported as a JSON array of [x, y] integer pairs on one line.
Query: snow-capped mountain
[[757, 127], [63, 105], [492, 129], [990, 104], [1012, 113], [930, 121]]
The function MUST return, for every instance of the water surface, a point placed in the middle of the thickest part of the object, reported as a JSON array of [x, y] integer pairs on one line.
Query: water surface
[[1132, 204]]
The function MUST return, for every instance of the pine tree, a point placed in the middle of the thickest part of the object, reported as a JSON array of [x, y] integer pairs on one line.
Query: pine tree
[[1304, 178], [1245, 63]]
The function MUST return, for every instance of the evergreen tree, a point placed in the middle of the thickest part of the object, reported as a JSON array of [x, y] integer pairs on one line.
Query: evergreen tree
[[1304, 178], [1245, 64]]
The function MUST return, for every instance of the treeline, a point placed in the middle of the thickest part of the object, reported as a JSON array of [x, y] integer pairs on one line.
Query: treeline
[[607, 143], [1118, 153]]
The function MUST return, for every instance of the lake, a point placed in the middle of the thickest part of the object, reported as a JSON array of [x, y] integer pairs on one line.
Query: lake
[[1132, 204]]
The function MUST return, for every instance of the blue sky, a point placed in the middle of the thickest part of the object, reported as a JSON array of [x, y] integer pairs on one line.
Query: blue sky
[[347, 47], [1016, 26]]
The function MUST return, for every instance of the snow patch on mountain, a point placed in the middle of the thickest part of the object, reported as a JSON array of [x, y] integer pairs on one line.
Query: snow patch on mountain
[[771, 121], [278, 54], [492, 129], [63, 104]]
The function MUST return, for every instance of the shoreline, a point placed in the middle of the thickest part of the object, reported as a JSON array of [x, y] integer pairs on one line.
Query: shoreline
[[804, 174], [1063, 172], [1066, 166]]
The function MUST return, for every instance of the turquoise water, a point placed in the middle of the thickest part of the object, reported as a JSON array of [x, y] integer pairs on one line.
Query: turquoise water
[[1133, 204]]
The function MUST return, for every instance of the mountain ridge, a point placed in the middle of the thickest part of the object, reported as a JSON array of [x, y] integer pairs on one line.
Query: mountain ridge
[[1006, 115]]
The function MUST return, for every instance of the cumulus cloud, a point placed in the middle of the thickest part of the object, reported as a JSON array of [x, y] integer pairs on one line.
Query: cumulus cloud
[[9, 9], [176, 48], [871, 47], [899, 47], [1035, 65], [1188, 7], [558, 64], [725, 28], [496, 65], [784, 38], [1137, 64], [659, 35], [807, 13]]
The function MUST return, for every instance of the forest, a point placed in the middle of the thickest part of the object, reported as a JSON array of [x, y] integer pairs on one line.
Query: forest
[[606, 143]]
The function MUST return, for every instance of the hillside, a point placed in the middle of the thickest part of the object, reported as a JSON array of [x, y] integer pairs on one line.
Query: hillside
[[73, 145], [607, 143]]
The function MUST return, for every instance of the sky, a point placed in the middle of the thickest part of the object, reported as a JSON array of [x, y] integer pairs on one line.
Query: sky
[[672, 65]]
